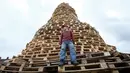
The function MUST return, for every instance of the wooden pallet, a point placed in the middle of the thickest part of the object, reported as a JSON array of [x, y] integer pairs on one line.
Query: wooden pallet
[[83, 67], [12, 69], [119, 65]]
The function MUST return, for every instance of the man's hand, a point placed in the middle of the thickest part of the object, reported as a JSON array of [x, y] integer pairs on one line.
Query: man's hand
[[73, 42]]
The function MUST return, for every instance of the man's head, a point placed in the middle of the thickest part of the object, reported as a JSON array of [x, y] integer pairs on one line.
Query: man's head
[[65, 27]]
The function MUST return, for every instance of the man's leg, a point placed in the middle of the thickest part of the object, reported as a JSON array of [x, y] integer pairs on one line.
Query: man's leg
[[72, 53], [62, 53]]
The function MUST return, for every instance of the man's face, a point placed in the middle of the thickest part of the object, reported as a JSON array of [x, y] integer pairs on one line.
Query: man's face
[[66, 28]]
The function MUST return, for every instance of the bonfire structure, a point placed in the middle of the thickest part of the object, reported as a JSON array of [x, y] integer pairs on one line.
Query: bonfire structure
[[41, 54]]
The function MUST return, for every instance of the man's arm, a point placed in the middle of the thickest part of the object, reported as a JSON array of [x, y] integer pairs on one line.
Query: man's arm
[[72, 36], [61, 38]]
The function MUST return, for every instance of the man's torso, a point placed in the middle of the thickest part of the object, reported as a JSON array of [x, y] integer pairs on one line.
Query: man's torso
[[66, 35]]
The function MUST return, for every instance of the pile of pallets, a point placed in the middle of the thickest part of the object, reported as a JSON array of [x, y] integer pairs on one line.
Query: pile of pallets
[[98, 62], [41, 54]]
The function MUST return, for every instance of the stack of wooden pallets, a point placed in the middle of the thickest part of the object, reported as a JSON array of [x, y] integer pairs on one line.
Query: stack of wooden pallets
[[41, 54]]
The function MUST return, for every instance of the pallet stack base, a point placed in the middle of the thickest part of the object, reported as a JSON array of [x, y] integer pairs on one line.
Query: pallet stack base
[[102, 62]]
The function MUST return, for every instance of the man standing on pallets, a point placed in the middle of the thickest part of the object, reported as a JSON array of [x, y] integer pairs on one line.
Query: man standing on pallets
[[67, 40]]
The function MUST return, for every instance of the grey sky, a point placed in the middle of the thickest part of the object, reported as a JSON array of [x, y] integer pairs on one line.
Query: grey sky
[[20, 19]]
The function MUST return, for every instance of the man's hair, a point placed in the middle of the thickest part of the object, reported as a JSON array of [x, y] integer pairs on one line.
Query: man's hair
[[64, 26]]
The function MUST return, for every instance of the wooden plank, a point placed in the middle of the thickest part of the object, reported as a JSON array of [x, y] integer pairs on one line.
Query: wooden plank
[[22, 66], [107, 54], [83, 61], [41, 69], [82, 68], [111, 66], [115, 71], [2, 67], [61, 69], [118, 59], [104, 65]]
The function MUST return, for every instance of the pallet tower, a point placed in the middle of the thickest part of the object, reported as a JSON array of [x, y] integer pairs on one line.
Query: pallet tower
[[41, 54]]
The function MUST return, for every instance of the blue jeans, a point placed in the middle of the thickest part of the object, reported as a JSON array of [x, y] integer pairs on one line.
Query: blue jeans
[[71, 47]]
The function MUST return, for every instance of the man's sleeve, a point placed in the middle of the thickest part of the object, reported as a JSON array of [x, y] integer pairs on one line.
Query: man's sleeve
[[61, 38]]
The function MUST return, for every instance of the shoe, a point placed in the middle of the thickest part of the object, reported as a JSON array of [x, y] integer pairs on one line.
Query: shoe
[[75, 63], [61, 63]]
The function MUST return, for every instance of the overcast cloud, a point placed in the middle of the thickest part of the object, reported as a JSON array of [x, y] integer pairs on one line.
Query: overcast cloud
[[20, 19]]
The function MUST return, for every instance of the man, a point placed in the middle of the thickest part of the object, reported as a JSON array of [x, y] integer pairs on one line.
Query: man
[[67, 40]]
